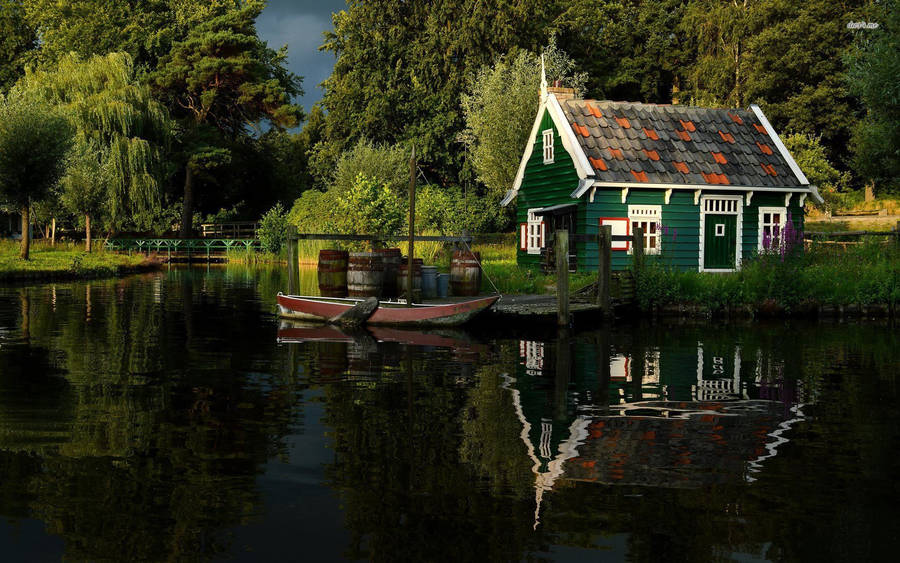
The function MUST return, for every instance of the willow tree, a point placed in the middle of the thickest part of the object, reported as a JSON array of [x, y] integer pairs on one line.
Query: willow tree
[[221, 81], [121, 135], [34, 143]]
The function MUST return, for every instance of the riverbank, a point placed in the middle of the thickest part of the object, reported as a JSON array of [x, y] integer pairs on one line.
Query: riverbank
[[67, 262], [823, 281]]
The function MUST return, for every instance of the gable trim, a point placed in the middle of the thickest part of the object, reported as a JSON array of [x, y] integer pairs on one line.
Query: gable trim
[[571, 144], [584, 170], [776, 140], [529, 148]]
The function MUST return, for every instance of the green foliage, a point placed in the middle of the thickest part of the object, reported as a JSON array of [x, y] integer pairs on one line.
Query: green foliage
[[367, 207], [224, 75], [310, 211], [629, 50], [273, 229], [17, 42], [865, 274], [402, 66], [450, 211], [873, 76], [220, 81], [84, 185], [35, 139], [145, 29], [119, 127], [386, 165], [811, 158], [499, 109]]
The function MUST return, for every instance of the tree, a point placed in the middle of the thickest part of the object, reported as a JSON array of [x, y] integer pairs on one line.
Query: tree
[[34, 141], [401, 67], [17, 41], [874, 71], [220, 81], [386, 165], [499, 110], [119, 126], [795, 69], [84, 187], [145, 29], [630, 50], [718, 32], [811, 157]]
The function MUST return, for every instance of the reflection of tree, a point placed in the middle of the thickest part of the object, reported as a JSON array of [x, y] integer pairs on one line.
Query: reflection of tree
[[129, 439], [491, 437], [406, 494]]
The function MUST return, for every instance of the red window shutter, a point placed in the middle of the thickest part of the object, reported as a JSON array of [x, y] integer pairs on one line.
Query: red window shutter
[[523, 236]]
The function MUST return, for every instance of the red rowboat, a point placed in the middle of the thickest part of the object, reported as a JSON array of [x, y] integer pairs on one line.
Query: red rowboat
[[391, 313]]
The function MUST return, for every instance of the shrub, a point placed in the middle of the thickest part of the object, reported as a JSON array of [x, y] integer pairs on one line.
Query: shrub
[[273, 229]]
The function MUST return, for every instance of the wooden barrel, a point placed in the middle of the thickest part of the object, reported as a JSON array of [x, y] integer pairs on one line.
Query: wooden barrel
[[465, 273], [403, 275], [365, 274], [391, 259], [332, 273]]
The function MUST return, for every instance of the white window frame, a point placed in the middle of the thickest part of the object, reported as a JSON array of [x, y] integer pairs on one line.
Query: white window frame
[[647, 215], [535, 233], [782, 212], [548, 146], [723, 207]]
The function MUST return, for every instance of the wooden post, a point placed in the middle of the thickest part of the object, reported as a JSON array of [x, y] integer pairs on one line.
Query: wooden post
[[412, 227], [293, 274], [562, 276], [53, 232], [604, 267], [637, 248]]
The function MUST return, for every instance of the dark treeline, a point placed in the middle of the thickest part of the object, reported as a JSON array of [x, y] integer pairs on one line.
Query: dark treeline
[[420, 72]]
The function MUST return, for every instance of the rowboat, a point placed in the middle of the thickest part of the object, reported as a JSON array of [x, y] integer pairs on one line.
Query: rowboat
[[388, 313]]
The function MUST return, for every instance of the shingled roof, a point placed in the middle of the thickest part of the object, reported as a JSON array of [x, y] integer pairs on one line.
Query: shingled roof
[[673, 144]]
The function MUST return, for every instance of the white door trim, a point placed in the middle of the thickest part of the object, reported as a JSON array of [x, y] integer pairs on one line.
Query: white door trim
[[739, 211]]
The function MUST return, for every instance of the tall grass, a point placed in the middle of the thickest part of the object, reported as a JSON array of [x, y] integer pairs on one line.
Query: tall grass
[[864, 274]]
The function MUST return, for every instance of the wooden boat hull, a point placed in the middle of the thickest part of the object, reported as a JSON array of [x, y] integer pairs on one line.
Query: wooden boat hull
[[388, 314]]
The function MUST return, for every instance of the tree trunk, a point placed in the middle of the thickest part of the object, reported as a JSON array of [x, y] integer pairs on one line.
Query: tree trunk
[[26, 233], [187, 212], [53, 232], [87, 233]]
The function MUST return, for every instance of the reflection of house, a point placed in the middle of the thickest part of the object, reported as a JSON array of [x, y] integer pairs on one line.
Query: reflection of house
[[675, 444], [673, 417]]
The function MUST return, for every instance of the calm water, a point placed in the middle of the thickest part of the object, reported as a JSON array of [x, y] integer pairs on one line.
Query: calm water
[[169, 417]]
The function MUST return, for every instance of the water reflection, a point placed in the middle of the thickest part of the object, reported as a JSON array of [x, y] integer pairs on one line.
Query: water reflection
[[170, 416]]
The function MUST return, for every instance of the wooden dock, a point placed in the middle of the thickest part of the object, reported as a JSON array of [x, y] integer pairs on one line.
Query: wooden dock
[[541, 306]]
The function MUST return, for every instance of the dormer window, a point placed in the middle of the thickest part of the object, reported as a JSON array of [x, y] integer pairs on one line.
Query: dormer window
[[548, 146]]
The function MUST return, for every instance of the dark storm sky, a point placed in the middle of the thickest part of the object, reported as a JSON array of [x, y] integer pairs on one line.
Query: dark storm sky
[[299, 24]]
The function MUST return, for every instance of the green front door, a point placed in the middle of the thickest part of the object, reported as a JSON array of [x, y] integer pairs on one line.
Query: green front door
[[720, 239]]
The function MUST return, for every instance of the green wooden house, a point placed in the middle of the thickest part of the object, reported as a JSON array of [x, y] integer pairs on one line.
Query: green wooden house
[[710, 187]]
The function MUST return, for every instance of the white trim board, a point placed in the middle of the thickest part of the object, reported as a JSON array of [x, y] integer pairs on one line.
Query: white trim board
[[778, 144], [739, 236]]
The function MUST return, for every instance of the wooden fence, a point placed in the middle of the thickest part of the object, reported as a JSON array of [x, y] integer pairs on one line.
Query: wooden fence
[[234, 230]]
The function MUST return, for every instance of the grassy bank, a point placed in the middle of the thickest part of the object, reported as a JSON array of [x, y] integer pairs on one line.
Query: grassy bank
[[65, 261], [824, 276]]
